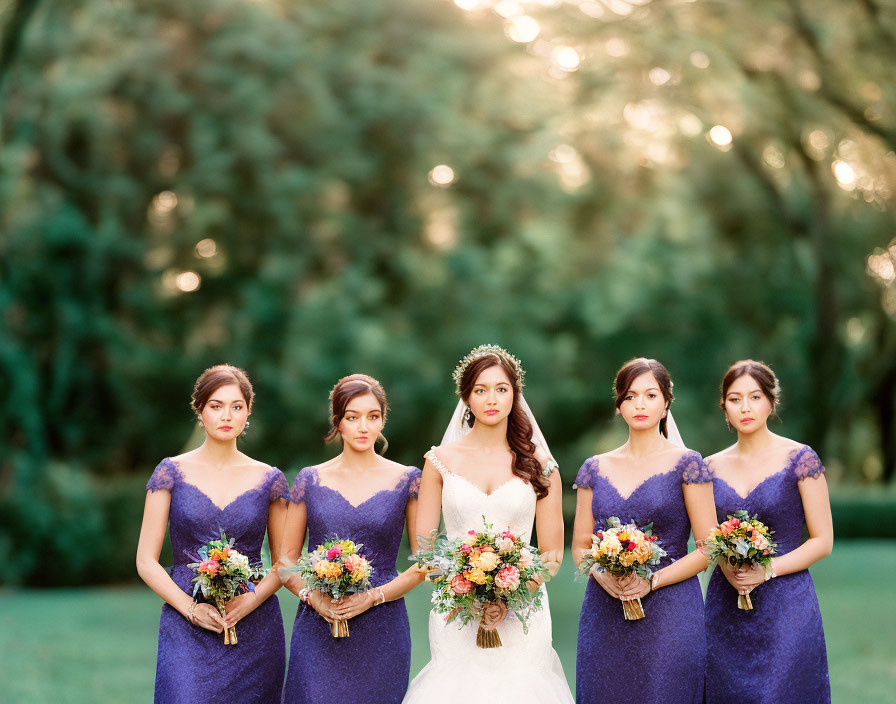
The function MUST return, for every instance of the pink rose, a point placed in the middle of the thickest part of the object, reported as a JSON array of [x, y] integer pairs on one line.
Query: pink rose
[[352, 562], [508, 578], [210, 567], [466, 549], [461, 585], [334, 552]]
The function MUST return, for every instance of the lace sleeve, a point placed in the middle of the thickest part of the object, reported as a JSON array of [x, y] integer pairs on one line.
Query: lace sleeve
[[279, 486], [586, 475], [693, 469], [436, 462], [414, 482], [300, 485], [807, 464], [163, 477]]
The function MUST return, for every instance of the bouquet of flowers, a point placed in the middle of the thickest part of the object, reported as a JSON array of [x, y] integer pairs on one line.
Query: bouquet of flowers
[[486, 566], [221, 574], [742, 540], [336, 568], [622, 549]]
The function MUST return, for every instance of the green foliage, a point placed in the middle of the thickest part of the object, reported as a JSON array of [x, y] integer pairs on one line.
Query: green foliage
[[187, 183]]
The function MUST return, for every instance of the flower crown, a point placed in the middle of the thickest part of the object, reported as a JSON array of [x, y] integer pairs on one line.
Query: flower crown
[[485, 351]]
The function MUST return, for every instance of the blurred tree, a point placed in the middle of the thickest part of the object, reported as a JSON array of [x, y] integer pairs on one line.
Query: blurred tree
[[310, 189]]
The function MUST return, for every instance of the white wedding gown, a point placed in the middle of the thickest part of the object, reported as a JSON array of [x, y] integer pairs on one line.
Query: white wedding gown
[[526, 667]]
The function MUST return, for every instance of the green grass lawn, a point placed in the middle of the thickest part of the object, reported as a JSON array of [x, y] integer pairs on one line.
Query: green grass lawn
[[73, 646]]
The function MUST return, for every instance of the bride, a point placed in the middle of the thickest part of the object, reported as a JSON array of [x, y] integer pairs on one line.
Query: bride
[[493, 463]]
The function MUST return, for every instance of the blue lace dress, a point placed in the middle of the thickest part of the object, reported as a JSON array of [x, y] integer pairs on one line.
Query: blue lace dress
[[781, 654], [660, 658], [373, 664], [193, 663]]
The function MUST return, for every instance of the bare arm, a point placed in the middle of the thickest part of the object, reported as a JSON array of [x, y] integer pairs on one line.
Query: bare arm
[[549, 524], [276, 519], [149, 547], [429, 503], [584, 525], [291, 542], [701, 508], [817, 508]]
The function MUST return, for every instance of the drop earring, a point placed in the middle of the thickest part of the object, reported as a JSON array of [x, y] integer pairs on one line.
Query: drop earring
[[468, 416], [245, 428], [728, 423]]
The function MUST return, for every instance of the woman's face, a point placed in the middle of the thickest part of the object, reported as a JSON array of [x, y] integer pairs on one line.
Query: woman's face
[[746, 406], [492, 396], [225, 413], [643, 405], [361, 423]]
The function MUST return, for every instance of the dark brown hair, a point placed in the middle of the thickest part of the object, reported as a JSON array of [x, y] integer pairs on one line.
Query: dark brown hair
[[519, 429], [634, 368], [213, 379], [763, 375], [347, 388]]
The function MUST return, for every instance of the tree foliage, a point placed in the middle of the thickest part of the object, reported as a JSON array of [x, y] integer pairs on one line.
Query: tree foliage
[[257, 182]]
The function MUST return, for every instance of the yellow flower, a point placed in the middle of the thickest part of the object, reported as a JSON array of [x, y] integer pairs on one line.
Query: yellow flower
[[487, 561], [321, 569], [476, 575]]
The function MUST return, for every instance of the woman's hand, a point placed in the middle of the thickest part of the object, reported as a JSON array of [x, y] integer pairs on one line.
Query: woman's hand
[[493, 612], [355, 604], [239, 607], [324, 604], [730, 574], [635, 588], [748, 578], [206, 616], [609, 583]]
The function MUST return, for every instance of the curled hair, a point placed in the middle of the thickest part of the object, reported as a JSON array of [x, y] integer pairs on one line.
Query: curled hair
[[634, 368], [348, 388], [519, 429], [761, 373], [213, 379]]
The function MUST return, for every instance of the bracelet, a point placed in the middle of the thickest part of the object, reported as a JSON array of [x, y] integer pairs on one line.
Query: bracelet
[[191, 617], [382, 597], [770, 573], [304, 594]]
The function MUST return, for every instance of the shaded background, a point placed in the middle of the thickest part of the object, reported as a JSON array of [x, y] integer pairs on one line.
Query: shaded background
[[312, 189]]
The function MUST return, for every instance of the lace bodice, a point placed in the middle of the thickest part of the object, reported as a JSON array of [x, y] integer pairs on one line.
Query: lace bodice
[[511, 505]]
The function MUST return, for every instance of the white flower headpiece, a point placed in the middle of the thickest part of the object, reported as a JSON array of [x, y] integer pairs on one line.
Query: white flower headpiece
[[485, 351]]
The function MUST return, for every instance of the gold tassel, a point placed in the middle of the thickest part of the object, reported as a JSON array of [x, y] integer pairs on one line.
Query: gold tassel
[[632, 610], [744, 602], [488, 638], [339, 629], [229, 633]]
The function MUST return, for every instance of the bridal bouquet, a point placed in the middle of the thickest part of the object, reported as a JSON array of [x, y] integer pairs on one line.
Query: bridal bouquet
[[221, 574], [741, 540], [484, 567], [622, 549], [336, 568]]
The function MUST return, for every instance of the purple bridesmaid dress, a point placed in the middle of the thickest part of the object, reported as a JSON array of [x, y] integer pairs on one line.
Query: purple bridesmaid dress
[[776, 652], [193, 663], [373, 664], [661, 658]]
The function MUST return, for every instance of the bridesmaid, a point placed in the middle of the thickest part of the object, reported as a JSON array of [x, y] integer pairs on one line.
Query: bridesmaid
[[198, 494], [660, 658], [369, 499], [780, 648]]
